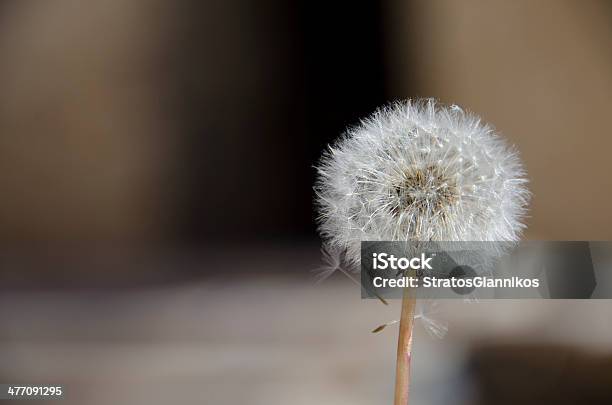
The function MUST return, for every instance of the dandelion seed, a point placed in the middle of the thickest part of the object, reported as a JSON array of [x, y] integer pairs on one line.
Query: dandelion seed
[[331, 263]]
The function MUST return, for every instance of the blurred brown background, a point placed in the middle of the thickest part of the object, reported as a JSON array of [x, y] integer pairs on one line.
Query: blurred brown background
[[144, 142], [146, 121]]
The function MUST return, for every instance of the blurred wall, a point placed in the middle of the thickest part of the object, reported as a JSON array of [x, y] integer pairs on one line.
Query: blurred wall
[[84, 148], [147, 120], [138, 121]]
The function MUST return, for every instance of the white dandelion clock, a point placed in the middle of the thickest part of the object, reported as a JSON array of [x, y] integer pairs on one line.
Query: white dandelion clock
[[418, 171]]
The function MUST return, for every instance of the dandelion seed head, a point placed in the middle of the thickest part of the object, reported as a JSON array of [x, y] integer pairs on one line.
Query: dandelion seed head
[[420, 171]]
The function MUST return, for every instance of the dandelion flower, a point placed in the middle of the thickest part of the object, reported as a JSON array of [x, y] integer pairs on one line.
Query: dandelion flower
[[419, 171]]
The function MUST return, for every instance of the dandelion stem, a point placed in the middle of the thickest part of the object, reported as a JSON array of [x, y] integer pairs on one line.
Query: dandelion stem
[[404, 348]]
